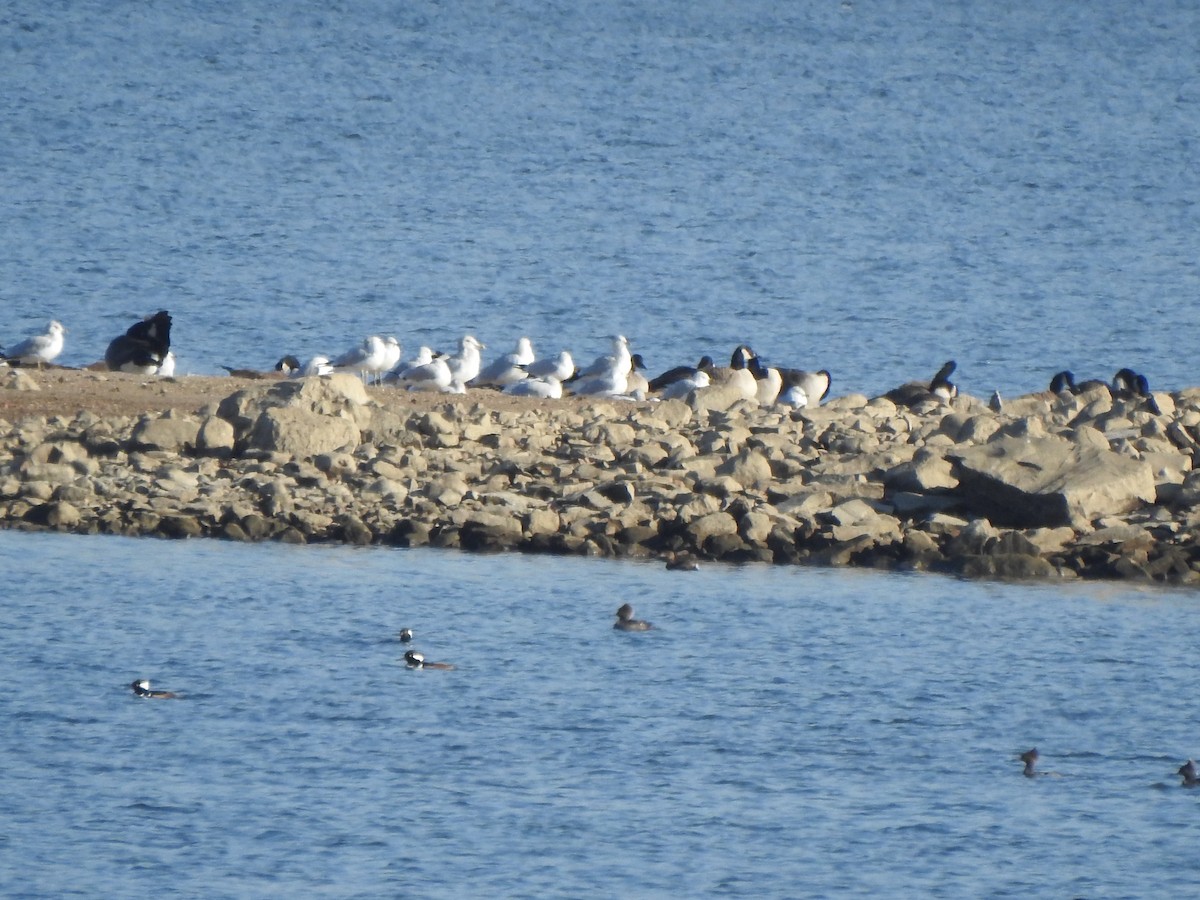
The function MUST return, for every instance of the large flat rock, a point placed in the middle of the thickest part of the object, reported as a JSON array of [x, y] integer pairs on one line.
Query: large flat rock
[[1050, 481]]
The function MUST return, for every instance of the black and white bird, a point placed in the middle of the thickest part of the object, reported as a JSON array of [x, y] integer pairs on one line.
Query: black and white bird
[[940, 388], [682, 373], [801, 388], [143, 348]]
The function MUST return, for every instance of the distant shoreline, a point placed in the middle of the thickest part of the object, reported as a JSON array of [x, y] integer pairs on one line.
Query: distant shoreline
[[1051, 487]]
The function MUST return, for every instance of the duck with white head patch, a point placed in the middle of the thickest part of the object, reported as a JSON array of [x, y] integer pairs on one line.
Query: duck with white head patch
[[141, 688], [415, 659]]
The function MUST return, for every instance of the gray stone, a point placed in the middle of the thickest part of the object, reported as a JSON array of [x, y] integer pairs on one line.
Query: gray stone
[[926, 471], [704, 527], [302, 433], [1050, 481], [168, 433], [215, 437], [1012, 566], [749, 468], [19, 380]]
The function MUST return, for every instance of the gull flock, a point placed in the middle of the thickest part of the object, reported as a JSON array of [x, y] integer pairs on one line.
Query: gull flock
[[145, 349], [618, 374]]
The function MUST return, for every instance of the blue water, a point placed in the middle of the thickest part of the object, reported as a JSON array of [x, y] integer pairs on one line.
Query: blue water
[[783, 732], [869, 187]]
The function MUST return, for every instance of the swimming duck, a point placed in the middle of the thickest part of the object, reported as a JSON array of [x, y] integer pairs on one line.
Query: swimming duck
[[406, 635], [1188, 773], [416, 660], [1030, 758], [626, 621], [141, 688], [682, 562]]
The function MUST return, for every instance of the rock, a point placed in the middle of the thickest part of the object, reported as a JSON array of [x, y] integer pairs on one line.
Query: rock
[[301, 433], [926, 471], [215, 437], [173, 434], [1011, 566], [704, 527], [18, 380], [1049, 482], [749, 468]]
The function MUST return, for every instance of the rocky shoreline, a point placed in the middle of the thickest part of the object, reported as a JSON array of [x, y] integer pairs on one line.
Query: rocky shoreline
[[1053, 486]]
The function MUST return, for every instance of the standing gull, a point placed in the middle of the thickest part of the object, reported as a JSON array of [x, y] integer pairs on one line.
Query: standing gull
[[39, 349], [368, 358]]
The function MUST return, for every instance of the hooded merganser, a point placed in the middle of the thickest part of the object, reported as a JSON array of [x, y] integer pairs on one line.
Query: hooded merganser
[[1030, 758], [406, 635], [1188, 773], [626, 621], [682, 562], [416, 660], [142, 689]]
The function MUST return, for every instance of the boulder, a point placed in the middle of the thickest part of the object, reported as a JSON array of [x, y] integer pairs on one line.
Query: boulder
[[749, 468], [334, 395], [301, 432], [1050, 481], [926, 471], [17, 380], [215, 437], [170, 433]]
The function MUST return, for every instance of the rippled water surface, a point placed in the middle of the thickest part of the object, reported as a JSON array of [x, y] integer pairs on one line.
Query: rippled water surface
[[781, 732], [871, 188]]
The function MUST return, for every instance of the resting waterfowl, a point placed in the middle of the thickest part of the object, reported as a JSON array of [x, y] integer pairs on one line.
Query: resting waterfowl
[[682, 373], [940, 388], [143, 347]]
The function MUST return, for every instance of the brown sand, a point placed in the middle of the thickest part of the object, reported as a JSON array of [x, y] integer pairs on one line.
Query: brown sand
[[64, 392]]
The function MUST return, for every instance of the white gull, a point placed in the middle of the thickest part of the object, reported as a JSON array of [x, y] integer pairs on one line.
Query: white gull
[[39, 349]]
